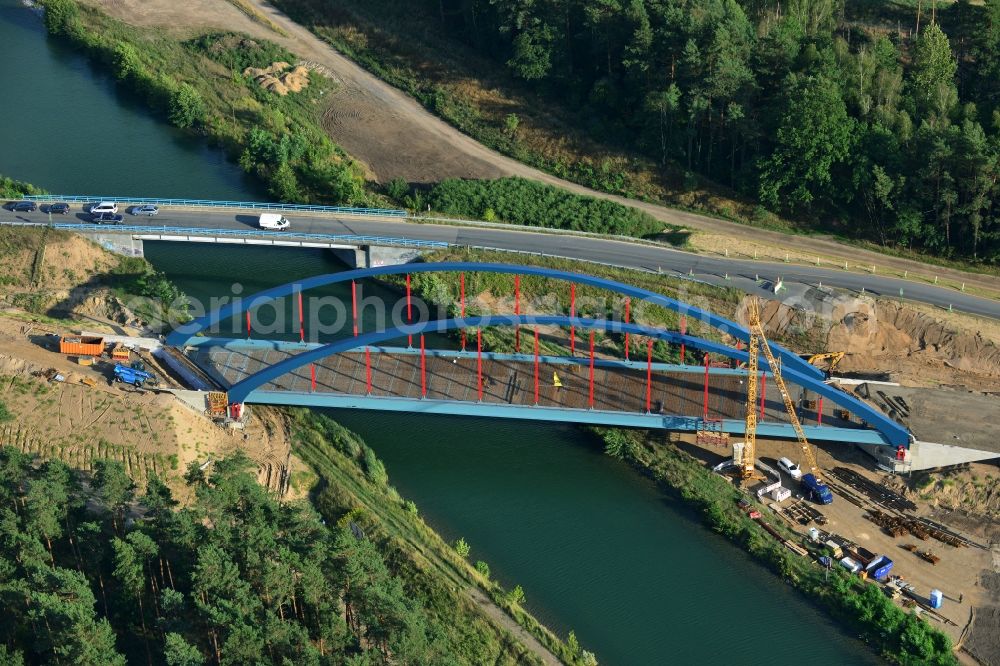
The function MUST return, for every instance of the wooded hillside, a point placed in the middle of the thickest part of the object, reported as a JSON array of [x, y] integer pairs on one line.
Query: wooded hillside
[[89, 574], [876, 120]]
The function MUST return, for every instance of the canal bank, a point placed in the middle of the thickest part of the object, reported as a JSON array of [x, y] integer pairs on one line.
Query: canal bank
[[597, 548]]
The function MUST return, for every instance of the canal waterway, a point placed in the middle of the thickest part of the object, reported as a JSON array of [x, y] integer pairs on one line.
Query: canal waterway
[[598, 548]]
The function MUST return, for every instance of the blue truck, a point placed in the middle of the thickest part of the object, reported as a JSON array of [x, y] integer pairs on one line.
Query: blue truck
[[133, 375], [815, 489]]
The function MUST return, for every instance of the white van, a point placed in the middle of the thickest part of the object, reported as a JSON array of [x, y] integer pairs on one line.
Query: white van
[[790, 468], [273, 221], [104, 207]]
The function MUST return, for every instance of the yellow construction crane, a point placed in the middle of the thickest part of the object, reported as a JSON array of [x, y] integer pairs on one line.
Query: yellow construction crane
[[758, 342]]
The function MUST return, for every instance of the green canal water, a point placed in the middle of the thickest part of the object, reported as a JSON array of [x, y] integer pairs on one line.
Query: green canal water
[[70, 129], [598, 548]]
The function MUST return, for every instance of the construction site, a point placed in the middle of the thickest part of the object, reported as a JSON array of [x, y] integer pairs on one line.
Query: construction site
[[112, 397], [925, 533], [846, 514]]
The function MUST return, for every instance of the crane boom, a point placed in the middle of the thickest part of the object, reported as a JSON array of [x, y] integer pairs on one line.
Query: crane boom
[[759, 340]]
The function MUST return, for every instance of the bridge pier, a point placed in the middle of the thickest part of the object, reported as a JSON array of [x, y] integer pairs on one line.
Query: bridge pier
[[353, 257], [121, 243], [367, 256]]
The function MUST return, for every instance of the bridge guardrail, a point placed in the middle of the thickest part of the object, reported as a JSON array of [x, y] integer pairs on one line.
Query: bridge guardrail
[[347, 239], [208, 203]]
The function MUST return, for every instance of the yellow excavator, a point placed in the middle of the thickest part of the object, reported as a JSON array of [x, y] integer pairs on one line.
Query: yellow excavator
[[758, 342], [832, 359]]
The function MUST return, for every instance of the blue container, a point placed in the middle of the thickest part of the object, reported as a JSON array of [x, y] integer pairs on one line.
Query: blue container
[[936, 598], [879, 568]]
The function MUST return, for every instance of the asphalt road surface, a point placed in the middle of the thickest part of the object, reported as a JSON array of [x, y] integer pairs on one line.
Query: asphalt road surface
[[750, 276]]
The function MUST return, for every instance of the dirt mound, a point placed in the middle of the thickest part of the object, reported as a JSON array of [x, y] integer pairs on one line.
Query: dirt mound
[[912, 345], [271, 78], [902, 340], [49, 259]]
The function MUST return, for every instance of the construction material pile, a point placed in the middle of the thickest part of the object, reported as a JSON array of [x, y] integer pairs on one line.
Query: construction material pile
[[277, 80]]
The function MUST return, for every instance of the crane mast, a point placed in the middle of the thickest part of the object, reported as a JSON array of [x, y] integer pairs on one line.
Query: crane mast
[[749, 454], [759, 342]]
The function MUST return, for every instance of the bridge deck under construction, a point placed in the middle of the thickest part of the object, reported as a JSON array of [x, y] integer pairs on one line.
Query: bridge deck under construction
[[453, 377]]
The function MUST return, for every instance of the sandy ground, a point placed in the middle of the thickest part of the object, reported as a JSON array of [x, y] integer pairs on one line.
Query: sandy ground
[[394, 136], [913, 345], [148, 431], [958, 575]]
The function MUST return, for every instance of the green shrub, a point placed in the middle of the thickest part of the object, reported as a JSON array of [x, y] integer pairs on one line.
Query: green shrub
[[15, 189], [60, 16], [237, 52], [521, 201], [483, 568], [516, 596], [374, 468], [5, 414], [187, 108], [397, 188]]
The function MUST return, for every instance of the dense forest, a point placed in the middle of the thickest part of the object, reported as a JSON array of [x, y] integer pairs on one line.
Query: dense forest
[[887, 133], [92, 574]]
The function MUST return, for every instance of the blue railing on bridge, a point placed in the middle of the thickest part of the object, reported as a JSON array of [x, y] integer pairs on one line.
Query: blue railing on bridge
[[208, 203], [347, 239]]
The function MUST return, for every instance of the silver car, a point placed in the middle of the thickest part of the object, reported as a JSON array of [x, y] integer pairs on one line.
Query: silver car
[[146, 209]]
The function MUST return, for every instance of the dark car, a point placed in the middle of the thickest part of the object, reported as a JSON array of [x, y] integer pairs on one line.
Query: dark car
[[24, 206], [59, 208], [108, 218]]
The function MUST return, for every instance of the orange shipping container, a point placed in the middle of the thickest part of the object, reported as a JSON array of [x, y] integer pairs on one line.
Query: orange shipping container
[[81, 346]]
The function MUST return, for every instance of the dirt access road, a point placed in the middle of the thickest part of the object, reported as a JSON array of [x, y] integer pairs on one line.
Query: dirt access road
[[394, 136]]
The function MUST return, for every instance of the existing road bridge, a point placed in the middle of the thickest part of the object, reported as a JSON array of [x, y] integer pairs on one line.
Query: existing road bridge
[[365, 370], [739, 273]]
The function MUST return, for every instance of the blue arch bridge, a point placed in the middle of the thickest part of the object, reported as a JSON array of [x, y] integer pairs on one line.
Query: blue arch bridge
[[361, 371]]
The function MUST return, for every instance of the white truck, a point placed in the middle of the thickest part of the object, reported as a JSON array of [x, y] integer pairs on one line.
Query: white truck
[[273, 221]]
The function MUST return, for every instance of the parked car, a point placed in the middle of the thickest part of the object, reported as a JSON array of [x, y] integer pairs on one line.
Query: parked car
[[24, 206], [790, 468], [145, 209], [59, 208], [108, 218], [104, 207]]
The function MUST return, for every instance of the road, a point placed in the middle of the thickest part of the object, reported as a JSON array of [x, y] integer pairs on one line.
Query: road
[[742, 273]]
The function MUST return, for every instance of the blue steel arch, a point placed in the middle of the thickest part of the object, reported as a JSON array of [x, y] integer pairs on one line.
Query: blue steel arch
[[892, 432], [184, 332]]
